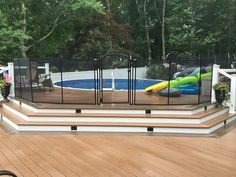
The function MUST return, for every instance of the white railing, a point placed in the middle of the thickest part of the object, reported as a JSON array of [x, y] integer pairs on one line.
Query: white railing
[[215, 79]]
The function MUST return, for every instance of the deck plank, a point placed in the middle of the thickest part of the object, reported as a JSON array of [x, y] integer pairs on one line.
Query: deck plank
[[7, 165], [86, 155], [207, 124], [37, 157], [15, 158], [88, 97], [84, 115], [56, 167]]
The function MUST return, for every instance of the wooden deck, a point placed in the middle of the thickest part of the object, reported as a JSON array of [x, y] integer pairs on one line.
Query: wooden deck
[[121, 155], [85, 96]]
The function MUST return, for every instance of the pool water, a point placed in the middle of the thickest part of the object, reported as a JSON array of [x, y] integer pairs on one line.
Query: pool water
[[120, 84]]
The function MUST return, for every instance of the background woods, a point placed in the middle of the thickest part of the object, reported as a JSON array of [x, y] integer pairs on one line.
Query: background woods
[[149, 29]]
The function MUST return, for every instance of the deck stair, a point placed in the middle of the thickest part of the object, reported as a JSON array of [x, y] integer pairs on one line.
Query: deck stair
[[196, 120]]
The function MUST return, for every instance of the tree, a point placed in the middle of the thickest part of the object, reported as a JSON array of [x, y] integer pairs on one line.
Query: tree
[[89, 28], [144, 14], [37, 21], [201, 26], [162, 23], [93, 38]]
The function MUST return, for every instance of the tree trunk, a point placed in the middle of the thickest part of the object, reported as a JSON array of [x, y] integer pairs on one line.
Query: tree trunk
[[24, 24], [138, 8], [25, 48], [108, 6], [162, 23], [147, 33], [109, 11], [23, 52], [163, 30]]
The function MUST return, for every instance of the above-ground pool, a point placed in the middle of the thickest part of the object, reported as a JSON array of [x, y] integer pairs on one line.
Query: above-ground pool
[[120, 84]]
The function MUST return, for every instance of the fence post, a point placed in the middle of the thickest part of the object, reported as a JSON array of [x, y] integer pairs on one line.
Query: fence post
[[11, 73], [46, 68], [215, 80], [232, 106]]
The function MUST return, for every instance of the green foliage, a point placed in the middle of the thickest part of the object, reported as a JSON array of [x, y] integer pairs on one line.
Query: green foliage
[[200, 26], [90, 28], [221, 86], [155, 71], [2, 83], [46, 26], [223, 89], [122, 63], [54, 69], [9, 39], [86, 7]]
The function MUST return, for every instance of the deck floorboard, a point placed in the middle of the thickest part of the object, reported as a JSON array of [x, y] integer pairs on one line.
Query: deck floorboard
[[71, 96], [126, 155]]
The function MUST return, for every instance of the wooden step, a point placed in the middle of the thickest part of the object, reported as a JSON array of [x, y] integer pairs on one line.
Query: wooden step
[[98, 115], [136, 118], [196, 118], [203, 122], [108, 106], [207, 124], [117, 109]]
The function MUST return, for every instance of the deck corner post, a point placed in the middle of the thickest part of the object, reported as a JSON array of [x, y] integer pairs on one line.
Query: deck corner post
[[215, 80], [11, 73], [232, 107]]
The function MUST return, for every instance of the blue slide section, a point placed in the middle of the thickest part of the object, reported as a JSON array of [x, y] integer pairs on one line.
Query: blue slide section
[[189, 89]]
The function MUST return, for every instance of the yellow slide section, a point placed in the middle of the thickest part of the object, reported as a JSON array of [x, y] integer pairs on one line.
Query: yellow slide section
[[177, 82], [157, 87]]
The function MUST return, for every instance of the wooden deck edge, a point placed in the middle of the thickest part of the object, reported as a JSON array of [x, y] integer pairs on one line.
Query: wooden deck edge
[[209, 124], [32, 114], [113, 106]]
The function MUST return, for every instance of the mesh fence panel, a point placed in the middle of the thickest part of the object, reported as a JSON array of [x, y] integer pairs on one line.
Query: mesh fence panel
[[18, 79], [205, 80], [45, 79], [114, 78], [23, 85], [78, 81], [184, 82], [151, 80]]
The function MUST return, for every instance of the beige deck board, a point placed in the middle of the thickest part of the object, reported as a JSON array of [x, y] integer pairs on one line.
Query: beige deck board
[[25, 159], [82, 97], [15, 158], [6, 164], [207, 124], [86, 155], [39, 158], [84, 115], [54, 166]]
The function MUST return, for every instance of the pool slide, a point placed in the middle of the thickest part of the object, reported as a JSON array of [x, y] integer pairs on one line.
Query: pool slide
[[177, 82], [189, 89]]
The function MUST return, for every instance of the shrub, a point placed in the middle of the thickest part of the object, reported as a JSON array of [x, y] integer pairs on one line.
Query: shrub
[[221, 86], [122, 63], [155, 71]]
